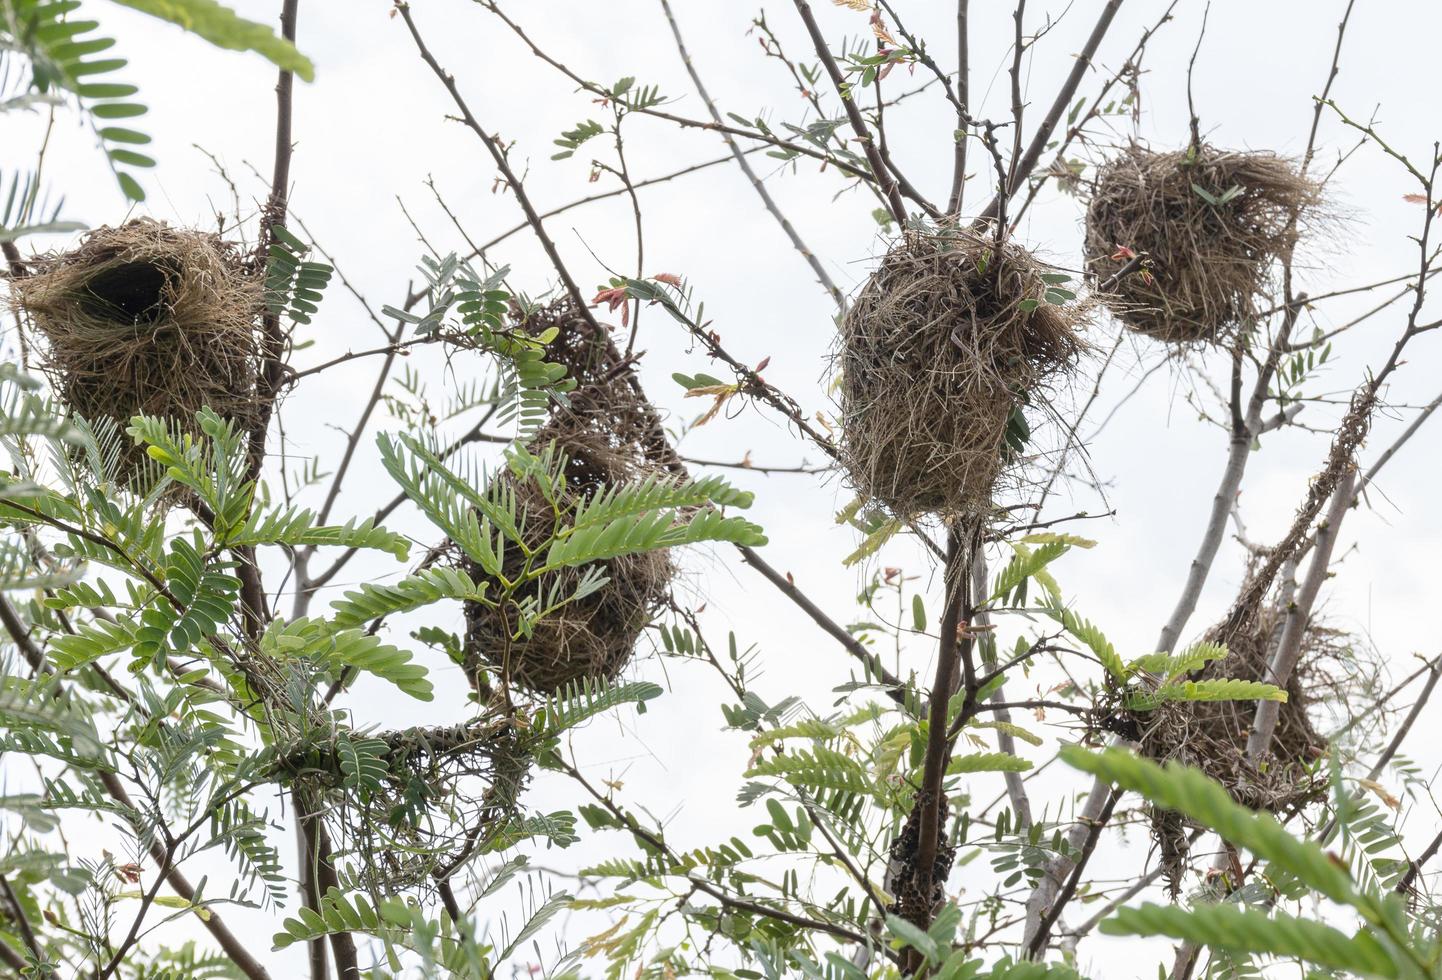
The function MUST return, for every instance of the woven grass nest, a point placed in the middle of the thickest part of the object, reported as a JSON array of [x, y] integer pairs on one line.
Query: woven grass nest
[[145, 319], [604, 435], [947, 339], [1208, 224], [1212, 735], [437, 779]]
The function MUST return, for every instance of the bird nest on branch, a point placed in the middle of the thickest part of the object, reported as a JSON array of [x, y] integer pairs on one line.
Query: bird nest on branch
[[609, 436], [1212, 735], [145, 319], [421, 800], [944, 345], [1207, 225]]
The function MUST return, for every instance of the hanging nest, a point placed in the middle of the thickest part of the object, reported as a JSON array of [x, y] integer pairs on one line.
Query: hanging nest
[[945, 343], [1207, 225], [1212, 735], [446, 792], [145, 319], [608, 435]]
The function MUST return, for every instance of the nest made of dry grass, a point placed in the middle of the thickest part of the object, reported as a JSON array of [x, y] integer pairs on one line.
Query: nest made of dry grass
[[607, 434], [447, 792], [146, 319], [1205, 263], [1212, 735], [947, 339]]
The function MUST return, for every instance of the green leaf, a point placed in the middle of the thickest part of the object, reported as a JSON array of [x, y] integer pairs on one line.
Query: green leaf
[[987, 762], [874, 540], [910, 935], [1187, 791], [1205, 195], [296, 528], [1228, 689], [1025, 564], [1239, 930], [822, 768], [585, 699], [323, 643], [918, 613], [89, 643], [372, 601], [224, 28], [1170, 666], [1007, 728], [1094, 639], [363, 763], [389, 921]]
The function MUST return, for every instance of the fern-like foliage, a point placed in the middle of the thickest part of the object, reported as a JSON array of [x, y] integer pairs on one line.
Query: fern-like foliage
[[213, 465], [294, 284], [626, 519], [243, 836], [27, 711], [294, 528], [821, 768], [69, 55], [90, 642], [363, 764], [1028, 563], [202, 596], [987, 762], [1384, 947], [1222, 689], [884, 531], [370, 601], [584, 699], [24, 412], [1238, 930], [223, 28], [1095, 640], [27, 208], [335, 649], [528, 382], [444, 950], [1170, 666], [1176, 787]]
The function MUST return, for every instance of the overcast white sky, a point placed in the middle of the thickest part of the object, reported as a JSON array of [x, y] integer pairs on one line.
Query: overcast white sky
[[372, 130]]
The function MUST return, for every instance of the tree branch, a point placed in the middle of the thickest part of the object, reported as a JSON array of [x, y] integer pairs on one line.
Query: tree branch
[[745, 167]]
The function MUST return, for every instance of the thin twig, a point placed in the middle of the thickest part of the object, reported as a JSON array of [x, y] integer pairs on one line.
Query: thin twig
[[745, 167]]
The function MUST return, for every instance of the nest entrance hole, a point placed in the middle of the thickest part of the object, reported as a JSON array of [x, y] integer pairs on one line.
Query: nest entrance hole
[[146, 319], [130, 292]]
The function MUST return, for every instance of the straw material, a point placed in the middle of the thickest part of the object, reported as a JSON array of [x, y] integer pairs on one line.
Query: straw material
[[945, 342], [605, 433], [1208, 226], [145, 319]]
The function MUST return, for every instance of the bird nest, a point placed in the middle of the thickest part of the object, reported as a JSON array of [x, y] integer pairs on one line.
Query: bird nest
[[607, 437], [145, 319], [946, 342], [1212, 735], [1207, 224], [401, 826]]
